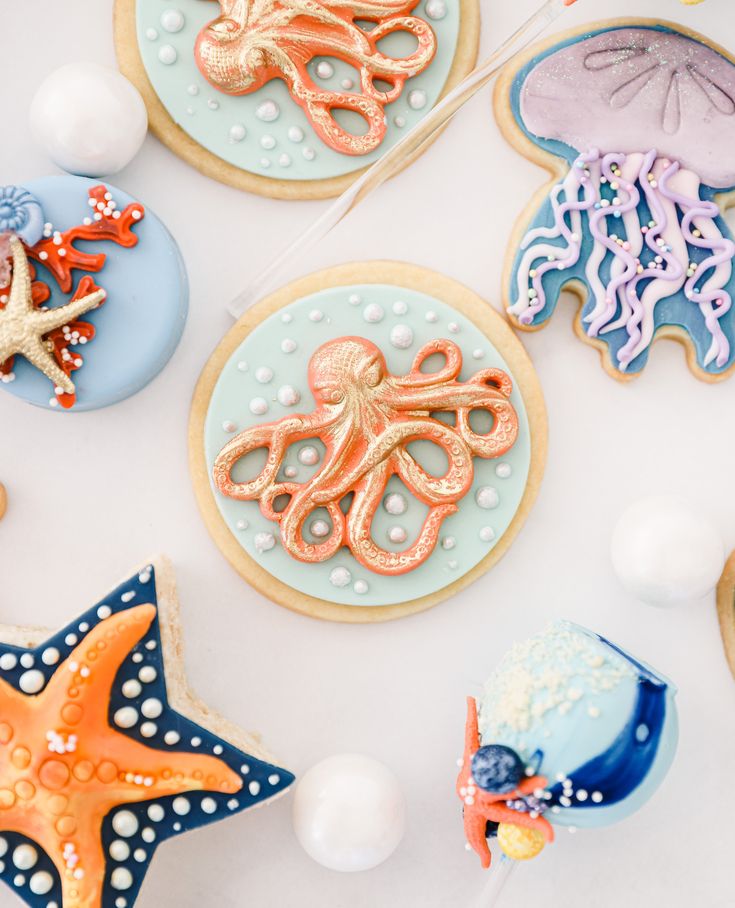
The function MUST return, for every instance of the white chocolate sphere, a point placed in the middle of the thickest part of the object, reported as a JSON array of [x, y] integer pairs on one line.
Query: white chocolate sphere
[[349, 812], [89, 119], [665, 552]]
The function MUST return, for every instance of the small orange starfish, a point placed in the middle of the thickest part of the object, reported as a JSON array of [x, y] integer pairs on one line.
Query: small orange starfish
[[481, 806]]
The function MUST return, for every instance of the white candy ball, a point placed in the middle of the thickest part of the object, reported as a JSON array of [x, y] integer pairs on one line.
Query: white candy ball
[[665, 552], [349, 812], [90, 120]]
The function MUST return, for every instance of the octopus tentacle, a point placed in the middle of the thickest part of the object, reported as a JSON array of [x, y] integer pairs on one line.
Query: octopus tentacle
[[367, 500], [449, 371], [292, 523], [277, 437]]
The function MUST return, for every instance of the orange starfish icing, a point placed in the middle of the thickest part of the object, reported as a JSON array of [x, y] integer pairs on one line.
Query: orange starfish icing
[[60, 800], [481, 806]]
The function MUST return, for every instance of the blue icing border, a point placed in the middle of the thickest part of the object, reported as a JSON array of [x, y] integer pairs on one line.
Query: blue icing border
[[675, 310], [236, 388], [270, 779], [210, 125], [141, 322]]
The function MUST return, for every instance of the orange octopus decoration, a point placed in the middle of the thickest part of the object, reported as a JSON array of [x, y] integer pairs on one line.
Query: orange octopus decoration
[[481, 806], [366, 418], [254, 41]]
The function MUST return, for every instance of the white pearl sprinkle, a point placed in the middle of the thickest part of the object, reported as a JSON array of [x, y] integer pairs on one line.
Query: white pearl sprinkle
[[324, 69], [147, 674], [242, 366], [126, 717], [264, 542], [50, 656], [263, 375], [417, 99], [229, 426], [125, 823], [119, 850], [487, 497], [397, 534], [181, 806], [27, 660], [268, 111], [258, 406], [32, 682], [487, 534], [320, 529], [8, 661], [156, 813], [237, 132], [288, 345], [121, 878], [209, 805], [131, 688], [296, 134], [308, 455], [373, 313], [395, 504], [503, 470], [172, 737], [288, 396], [172, 20], [360, 587], [104, 611], [340, 577], [401, 336], [25, 857], [167, 54], [41, 882]]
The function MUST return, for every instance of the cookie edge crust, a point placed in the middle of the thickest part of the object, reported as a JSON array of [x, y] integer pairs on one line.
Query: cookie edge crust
[[726, 610], [557, 169], [162, 125], [414, 277]]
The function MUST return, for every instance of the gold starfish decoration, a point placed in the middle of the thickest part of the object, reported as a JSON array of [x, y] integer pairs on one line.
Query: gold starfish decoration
[[23, 327]]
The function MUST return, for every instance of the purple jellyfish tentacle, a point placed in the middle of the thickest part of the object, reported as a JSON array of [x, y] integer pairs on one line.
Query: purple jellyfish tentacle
[[626, 269], [664, 274], [700, 230], [531, 300], [596, 256]]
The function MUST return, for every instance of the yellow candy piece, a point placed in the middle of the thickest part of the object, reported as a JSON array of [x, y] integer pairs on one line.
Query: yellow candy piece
[[691, 2], [519, 843]]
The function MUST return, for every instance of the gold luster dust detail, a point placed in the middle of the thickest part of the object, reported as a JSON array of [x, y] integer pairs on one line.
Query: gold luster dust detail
[[59, 800], [558, 669], [23, 327]]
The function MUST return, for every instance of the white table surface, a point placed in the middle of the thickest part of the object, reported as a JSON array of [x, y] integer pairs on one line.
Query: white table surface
[[93, 494]]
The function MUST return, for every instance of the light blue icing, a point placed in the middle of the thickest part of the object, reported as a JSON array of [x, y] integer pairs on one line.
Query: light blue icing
[[235, 389], [574, 705], [674, 310], [208, 115], [140, 324]]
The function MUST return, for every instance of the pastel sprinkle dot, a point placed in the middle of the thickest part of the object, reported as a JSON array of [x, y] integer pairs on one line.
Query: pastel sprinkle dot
[[487, 497], [121, 878], [167, 54], [32, 682], [397, 534], [25, 857], [296, 134], [209, 805], [503, 470], [417, 99], [125, 823], [125, 717], [8, 661], [324, 69], [181, 806], [340, 577], [395, 503], [308, 455]]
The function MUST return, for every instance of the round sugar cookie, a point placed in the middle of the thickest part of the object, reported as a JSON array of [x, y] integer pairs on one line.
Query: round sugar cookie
[[367, 441], [96, 242], [633, 119], [726, 610], [292, 113]]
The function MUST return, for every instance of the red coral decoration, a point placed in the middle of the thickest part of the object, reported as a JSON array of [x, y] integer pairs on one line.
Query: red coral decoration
[[57, 253]]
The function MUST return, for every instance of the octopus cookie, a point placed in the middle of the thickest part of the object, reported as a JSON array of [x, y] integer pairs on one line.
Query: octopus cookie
[[292, 98], [93, 293], [634, 120], [367, 441], [106, 753]]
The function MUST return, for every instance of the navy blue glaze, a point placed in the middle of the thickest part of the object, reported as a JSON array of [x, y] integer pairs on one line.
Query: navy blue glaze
[[271, 779], [675, 310]]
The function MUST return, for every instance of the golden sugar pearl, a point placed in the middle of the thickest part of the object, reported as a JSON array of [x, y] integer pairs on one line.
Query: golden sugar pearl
[[107, 771], [21, 757], [6, 732], [519, 843], [7, 799], [66, 826], [72, 713], [53, 774], [57, 804], [83, 770], [25, 789]]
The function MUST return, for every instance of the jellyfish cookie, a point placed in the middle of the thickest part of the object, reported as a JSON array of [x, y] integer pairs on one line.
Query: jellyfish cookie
[[634, 120], [106, 753], [93, 293], [289, 98], [569, 731], [367, 441], [726, 610]]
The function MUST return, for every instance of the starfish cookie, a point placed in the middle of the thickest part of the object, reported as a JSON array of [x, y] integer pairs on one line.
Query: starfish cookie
[[23, 327], [96, 766]]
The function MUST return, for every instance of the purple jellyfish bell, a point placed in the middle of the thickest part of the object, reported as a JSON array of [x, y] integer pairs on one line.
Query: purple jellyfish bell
[[646, 117]]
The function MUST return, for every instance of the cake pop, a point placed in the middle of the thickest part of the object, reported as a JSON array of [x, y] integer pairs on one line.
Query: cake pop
[[570, 731]]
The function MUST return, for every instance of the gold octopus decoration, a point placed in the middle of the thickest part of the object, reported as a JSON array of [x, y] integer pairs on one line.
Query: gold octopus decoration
[[254, 41], [366, 418]]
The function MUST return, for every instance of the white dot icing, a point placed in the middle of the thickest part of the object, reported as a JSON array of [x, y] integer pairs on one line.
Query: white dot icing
[[401, 336], [151, 708], [172, 20], [121, 878], [399, 307], [264, 542], [131, 688], [487, 534], [487, 497], [296, 134], [258, 406], [308, 455], [32, 682], [50, 656], [397, 534], [27, 660], [209, 805], [503, 470], [288, 396], [156, 813], [125, 717], [360, 587], [263, 374], [395, 504], [324, 69], [436, 9], [267, 111], [167, 54], [119, 850], [147, 674], [373, 313], [41, 882], [237, 132], [125, 823], [316, 315], [340, 577], [181, 806], [288, 345], [8, 661], [417, 99], [25, 857], [320, 529]]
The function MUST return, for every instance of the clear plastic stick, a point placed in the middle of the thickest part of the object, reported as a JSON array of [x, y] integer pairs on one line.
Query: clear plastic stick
[[395, 158], [498, 875]]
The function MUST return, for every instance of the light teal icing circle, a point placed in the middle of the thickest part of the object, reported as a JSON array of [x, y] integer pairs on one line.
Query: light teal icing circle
[[209, 115], [310, 322]]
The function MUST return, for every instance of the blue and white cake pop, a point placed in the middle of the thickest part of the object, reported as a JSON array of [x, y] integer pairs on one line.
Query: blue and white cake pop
[[600, 725]]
